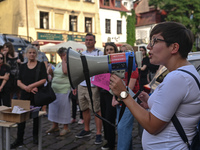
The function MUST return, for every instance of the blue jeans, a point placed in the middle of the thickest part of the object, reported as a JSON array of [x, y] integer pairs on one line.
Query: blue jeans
[[124, 129]]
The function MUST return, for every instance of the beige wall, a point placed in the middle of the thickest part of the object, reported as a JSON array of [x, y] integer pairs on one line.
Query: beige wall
[[13, 16]]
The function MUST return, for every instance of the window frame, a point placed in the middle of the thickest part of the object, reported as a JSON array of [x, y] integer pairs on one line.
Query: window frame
[[90, 24], [108, 26], [120, 30], [41, 23], [74, 23]]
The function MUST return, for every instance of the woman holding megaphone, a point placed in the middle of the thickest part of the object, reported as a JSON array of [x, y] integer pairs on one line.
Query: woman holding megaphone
[[178, 94]]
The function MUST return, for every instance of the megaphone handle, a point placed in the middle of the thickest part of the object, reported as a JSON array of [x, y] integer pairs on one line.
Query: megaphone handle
[[87, 78]]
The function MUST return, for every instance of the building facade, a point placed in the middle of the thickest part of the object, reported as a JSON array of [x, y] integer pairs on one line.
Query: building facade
[[146, 17], [113, 25], [51, 21]]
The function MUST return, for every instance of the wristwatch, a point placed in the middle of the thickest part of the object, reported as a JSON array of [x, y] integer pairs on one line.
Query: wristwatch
[[123, 95]]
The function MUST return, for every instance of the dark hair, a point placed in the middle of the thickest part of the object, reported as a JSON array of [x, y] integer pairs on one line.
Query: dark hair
[[2, 56], [174, 32], [90, 34], [143, 47], [11, 50], [61, 50], [110, 44], [1, 47]]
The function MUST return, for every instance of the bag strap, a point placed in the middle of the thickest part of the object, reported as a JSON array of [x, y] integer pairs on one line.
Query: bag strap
[[87, 78], [37, 71], [175, 120], [130, 66]]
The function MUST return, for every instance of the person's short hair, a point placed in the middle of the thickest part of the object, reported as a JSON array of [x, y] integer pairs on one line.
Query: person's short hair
[[110, 44], [31, 47], [174, 32], [61, 50], [90, 34], [128, 47]]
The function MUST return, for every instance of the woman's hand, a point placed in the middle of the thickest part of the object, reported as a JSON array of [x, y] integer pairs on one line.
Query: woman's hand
[[74, 91], [27, 89], [144, 98], [19, 61], [34, 90], [114, 102], [49, 69], [116, 85]]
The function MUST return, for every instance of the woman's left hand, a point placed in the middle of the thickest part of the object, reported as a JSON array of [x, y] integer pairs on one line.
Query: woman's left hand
[[34, 90], [116, 85], [18, 61]]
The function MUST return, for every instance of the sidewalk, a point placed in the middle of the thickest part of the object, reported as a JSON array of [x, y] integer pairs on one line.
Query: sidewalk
[[68, 142]]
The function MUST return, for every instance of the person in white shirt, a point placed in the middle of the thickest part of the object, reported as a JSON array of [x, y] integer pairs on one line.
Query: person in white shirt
[[84, 99], [178, 94]]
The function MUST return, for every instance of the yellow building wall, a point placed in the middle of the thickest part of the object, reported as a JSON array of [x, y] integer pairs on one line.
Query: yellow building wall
[[13, 16]]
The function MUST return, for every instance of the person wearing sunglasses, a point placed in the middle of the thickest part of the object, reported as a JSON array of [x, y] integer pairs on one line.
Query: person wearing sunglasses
[[4, 83], [179, 94]]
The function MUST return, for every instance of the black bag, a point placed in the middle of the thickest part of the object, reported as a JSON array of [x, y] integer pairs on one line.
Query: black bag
[[195, 145], [45, 95]]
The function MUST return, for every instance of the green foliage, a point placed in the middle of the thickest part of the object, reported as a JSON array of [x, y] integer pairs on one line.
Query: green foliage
[[186, 12], [131, 28]]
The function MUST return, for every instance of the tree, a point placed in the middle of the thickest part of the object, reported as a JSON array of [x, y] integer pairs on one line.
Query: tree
[[130, 27], [186, 12]]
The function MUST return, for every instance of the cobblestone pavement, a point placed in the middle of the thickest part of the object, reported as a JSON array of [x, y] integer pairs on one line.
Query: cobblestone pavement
[[68, 142]]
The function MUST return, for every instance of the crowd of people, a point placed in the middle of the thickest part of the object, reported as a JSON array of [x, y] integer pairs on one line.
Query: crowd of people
[[169, 45]]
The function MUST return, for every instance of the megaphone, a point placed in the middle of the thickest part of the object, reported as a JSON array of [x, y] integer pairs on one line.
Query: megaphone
[[115, 63]]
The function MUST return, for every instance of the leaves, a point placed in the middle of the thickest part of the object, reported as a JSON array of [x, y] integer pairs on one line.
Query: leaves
[[186, 12]]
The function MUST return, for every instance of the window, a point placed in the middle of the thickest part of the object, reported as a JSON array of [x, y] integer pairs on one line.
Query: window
[[118, 3], [44, 20], [59, 21], [106, 3], [108, 26], [125, 3], [88, 0], [72, 23], [119, 27], [88, 25]]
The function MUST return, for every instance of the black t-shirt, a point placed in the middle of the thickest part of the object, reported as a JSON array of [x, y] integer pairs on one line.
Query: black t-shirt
[[28, 76], [4, 69], [153, 68], [145, 61]]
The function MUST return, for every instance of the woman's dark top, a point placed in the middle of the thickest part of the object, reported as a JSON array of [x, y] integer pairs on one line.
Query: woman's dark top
[[4, 69], [28, 76], [145, 61]]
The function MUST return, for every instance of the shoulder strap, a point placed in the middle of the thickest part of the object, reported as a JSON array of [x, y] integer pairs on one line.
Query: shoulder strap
[[37, 71], [175, 120], [130, 66], [87, 78]]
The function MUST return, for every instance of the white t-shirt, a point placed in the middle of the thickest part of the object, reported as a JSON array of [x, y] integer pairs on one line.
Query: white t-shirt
[[95, 52], [180, 94]]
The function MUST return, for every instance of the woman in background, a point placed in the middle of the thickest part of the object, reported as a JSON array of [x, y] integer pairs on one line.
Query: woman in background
[[14, 59], [4, 83], [107, 111], [29, 87], [59, 110]]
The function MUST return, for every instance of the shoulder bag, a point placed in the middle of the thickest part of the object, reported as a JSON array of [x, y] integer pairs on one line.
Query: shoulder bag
[[195, 145], [45, 95]]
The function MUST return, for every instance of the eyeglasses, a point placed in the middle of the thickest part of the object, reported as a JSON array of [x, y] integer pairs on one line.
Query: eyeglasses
[[153, 41], [1, 58], [35, 44]]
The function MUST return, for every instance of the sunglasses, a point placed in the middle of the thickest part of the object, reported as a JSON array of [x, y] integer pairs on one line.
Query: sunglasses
[[1, 58], [35, 44]]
